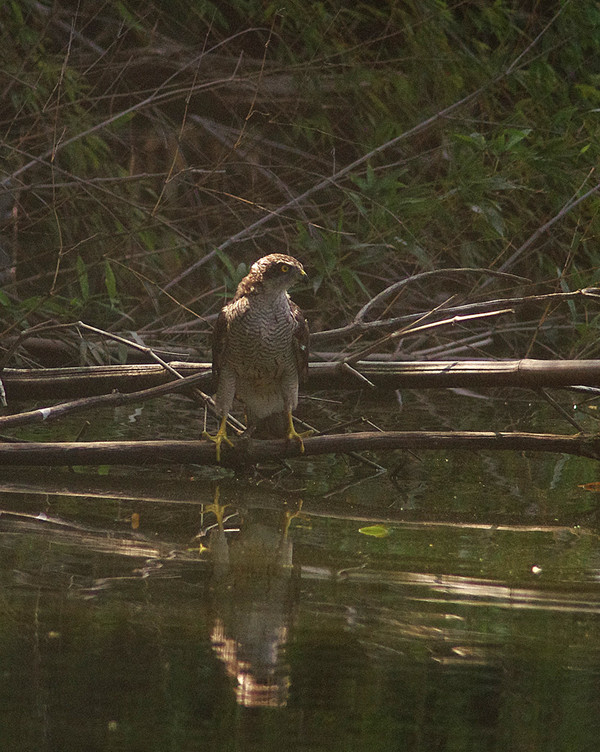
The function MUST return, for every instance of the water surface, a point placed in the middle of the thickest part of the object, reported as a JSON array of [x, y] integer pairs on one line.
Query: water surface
[[450, 603]]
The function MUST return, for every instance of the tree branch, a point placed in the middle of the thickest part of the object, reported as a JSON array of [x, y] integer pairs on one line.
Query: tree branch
[[61, 383], [252, 451]]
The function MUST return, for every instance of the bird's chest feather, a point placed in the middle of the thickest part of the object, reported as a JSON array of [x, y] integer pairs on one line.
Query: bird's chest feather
[[260, 340]]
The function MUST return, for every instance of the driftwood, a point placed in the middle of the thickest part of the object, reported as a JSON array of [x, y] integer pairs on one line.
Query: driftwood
[[65, 383], [252, 451]]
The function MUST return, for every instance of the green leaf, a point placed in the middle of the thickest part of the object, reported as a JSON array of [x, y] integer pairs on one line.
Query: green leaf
[[375, 531], [514, 137], [476, 139]]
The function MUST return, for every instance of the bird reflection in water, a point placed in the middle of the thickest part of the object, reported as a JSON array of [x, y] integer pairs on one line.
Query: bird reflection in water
[[253, 599]]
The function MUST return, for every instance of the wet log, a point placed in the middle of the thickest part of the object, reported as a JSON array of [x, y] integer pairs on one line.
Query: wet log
[[68, 383], [249, 452]]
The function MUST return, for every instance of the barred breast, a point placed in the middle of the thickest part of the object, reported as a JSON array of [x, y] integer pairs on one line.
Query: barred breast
[[260, 340], [261, 352]]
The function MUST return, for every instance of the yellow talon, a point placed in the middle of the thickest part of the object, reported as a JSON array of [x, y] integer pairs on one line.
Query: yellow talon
[[220, 437], [216, 507], [292, 434], [289, 516]]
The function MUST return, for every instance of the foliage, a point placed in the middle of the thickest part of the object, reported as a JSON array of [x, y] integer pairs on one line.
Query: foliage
[[152, 150]]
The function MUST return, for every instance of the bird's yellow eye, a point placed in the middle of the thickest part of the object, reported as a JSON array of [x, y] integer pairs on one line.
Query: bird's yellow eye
[[284, 268]]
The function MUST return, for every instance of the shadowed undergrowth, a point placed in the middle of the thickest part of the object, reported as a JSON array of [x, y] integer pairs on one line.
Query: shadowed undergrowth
[[151, 151]]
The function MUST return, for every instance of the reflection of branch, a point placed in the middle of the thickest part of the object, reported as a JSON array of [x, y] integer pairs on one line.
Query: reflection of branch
[[252, 451], [149, 489], [103, 540]]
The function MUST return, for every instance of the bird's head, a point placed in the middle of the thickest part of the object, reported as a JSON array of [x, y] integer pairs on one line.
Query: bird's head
[[275, 273]]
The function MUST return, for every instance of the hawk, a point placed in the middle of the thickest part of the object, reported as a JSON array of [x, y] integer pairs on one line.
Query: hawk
[[260, 347]]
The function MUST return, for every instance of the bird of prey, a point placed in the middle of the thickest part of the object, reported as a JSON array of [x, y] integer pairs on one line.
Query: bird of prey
[[260, 347]]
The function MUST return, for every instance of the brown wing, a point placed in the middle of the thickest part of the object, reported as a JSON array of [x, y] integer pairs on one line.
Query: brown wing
[[301, 337], [219, 343]]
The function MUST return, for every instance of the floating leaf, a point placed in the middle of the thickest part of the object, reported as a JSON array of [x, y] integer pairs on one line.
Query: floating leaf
[[376, 531]]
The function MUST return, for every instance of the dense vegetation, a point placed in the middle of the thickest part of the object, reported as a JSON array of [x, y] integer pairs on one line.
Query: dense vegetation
[[152, 150]]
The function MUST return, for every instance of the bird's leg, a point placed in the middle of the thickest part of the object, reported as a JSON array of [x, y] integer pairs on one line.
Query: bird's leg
[[289, 516], [220, 437], [292, 434], [216, 507]]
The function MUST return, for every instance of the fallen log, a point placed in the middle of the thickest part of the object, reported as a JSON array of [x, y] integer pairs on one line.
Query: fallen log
[[249, 452], [67, 383]]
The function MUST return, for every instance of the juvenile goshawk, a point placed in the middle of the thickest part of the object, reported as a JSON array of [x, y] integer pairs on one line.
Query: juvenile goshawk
[[260, 347]]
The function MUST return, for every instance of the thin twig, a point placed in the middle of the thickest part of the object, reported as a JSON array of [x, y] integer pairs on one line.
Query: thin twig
[[205, 399], [152, 100], [355, 325], [422, 328], [394, 287], [567, 207], [114, 399], [199, 395], [348, 169], [560, 410]]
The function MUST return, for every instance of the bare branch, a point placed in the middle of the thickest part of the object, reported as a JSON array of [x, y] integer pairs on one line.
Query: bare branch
[[423, 327], [61, 383], [569, 206], [352, 167], [203, 452], [356, 326], [114, 399]]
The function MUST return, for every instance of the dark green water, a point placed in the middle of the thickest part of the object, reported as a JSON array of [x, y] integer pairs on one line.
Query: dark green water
[[135, 618]]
